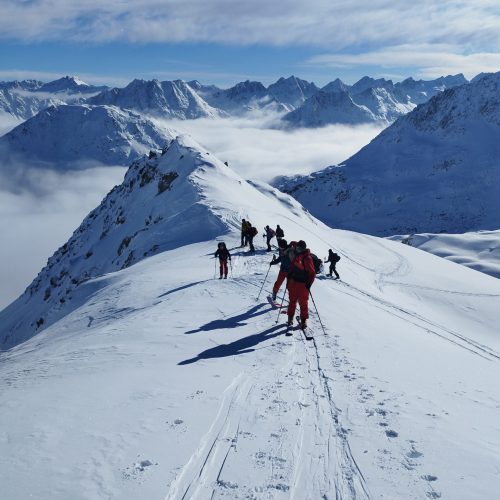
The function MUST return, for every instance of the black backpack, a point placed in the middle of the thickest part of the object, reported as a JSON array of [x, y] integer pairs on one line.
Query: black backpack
[[317, 263], [336, 257]]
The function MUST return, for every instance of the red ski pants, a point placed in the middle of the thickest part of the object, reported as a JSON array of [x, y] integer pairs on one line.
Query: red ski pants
[[297, 292], [223, 267], [279, 281]]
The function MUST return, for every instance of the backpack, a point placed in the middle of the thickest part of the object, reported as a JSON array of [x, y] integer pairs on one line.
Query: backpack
[[318, 264], [336, 257], [253, 231], [280, 233]]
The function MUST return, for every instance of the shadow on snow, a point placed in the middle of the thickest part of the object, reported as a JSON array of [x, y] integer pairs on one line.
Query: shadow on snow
[[241, 346], [234, 321]]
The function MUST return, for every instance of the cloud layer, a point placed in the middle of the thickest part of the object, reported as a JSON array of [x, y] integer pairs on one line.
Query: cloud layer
[[39, 210], [258, 152]]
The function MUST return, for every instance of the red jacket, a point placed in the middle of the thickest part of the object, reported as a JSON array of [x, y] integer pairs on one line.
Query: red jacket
[[302, 269]]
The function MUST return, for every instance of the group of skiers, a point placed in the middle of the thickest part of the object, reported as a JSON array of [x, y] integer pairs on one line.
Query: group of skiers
[[298, 266]]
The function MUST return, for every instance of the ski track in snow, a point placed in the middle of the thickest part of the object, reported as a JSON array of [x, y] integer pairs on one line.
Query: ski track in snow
[[284, 427]]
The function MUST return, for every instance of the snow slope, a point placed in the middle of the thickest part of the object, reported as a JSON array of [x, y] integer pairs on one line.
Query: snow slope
[[158, 381], [478, 250], [168, 99], [434, 170], [76, 136]]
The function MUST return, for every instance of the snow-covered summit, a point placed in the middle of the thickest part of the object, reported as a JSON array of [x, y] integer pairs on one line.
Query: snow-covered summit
[[74, 136], [292, 91], [325, 108], [435, 169], [167, 99], [70, 85]]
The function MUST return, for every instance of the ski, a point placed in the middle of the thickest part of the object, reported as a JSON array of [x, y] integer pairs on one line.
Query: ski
[[272, 302], [305, 331]]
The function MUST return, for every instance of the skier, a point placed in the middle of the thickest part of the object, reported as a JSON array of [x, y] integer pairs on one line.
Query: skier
[[333, 258], [244, 231], [279, 233], [223, 254], [269, 235], [251, 233], [284, 261], [300, 279]]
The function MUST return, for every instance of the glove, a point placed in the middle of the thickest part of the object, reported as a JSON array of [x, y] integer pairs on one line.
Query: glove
[[308, 285]]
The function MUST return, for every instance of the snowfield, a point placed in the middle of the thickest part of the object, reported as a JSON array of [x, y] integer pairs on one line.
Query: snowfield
[[478, 250], [155, 380]]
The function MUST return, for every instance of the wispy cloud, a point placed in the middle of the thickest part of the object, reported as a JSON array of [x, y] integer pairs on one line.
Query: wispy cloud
[[428, 61], [339, 24]]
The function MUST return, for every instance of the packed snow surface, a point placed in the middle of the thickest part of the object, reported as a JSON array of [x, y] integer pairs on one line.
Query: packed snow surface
[[155, 380]]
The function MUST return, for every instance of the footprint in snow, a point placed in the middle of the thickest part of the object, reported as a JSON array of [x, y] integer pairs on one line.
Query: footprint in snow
[[391, 434], [429, 477]]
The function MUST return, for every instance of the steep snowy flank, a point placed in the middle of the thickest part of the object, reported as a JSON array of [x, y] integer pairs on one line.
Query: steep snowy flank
[[76, 136], [166, 99], [478, 250], [436, 169], [326, 108]]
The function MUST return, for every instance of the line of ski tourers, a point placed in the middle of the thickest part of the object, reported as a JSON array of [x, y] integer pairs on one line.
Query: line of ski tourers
[[298, 266]]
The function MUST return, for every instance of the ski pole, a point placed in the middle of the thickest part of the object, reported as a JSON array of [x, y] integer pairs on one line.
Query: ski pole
[[263, 283], [281, 305], [319, 317]]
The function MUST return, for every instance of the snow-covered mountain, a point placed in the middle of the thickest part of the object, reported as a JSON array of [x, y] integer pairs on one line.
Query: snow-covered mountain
[[138, 351], [292, 92], [336, 85], [479, 250], [24, 99], [23, 104], [77, 135], [325, 108], [70, 85], [168, 99], [436, 169], [420, 91], [385, 100]]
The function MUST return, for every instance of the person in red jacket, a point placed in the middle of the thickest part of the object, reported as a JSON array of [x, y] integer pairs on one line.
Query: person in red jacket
[[300, 278], [223, 254]]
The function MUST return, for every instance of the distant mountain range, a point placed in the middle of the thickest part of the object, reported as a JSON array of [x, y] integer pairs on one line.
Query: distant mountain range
[[24, 99], [302, 103], [436, 169]]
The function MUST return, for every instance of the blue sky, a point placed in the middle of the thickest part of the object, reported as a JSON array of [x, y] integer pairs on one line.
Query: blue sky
[[223, 42]]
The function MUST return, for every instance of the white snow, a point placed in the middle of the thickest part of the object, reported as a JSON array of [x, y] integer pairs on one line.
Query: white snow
[[157, 381], [479, 250], [80, 135]]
